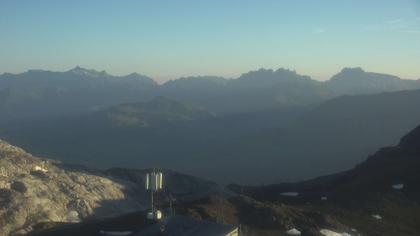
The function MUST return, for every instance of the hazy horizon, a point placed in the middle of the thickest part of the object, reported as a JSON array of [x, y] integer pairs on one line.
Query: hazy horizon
[[171, 40], [203, 75]]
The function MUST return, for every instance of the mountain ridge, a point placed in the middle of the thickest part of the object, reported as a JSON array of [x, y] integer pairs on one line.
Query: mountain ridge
[[358, 81], [382, 179], [280, 70], [82, 90]]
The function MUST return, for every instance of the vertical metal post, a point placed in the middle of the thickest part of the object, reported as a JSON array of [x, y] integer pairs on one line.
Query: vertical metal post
[[153, 204]]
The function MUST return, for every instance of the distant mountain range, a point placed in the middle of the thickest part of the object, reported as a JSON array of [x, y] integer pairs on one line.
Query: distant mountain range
[[253, 91], [266, 122], [38, 94], [286, 144], [42, 94]]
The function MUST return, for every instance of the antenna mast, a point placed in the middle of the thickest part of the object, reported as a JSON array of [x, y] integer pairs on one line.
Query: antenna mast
[[154, 183]]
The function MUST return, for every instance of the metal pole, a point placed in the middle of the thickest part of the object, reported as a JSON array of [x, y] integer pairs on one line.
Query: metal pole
[[153, 206]]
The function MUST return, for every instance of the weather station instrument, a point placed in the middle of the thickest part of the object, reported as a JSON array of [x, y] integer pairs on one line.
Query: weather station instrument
[[154, 183]]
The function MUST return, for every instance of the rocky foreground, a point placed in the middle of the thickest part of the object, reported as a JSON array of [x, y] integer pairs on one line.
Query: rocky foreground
[[379, 197], [35, 190]]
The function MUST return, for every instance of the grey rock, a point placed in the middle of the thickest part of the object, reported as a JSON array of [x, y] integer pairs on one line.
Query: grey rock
[[39, 174], [34, 190], [19, 187]]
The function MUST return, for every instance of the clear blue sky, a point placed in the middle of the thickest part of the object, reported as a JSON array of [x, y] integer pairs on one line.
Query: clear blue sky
[[169, 39]]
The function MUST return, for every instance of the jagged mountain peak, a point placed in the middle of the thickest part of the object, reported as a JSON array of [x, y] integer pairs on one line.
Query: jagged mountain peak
[[357, 73], [268, 72], [279, 75], [87, 72]]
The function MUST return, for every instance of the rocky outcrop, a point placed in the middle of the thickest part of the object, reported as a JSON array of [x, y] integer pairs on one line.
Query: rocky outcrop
[[34, 190]]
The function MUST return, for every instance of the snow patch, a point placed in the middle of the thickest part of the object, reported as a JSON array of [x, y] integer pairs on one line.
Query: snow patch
[[38, 168], [293, 231], [398, 186], [328, 232], [376, 216], [290, 194]]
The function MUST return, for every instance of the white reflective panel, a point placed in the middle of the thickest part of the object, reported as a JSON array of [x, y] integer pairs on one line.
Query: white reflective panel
[[154, 181], [147, 182]]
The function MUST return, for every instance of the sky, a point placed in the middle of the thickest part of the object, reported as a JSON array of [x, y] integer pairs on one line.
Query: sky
[[171, 39]]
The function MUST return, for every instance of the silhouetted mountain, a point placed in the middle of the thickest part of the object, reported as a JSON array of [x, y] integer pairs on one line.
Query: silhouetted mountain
[[266, 89], [44, 94], [357, 81], [389, 169], [88, 73], [268, 77], [279, 88], [253, 91], [37, 94], [383, 190]]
